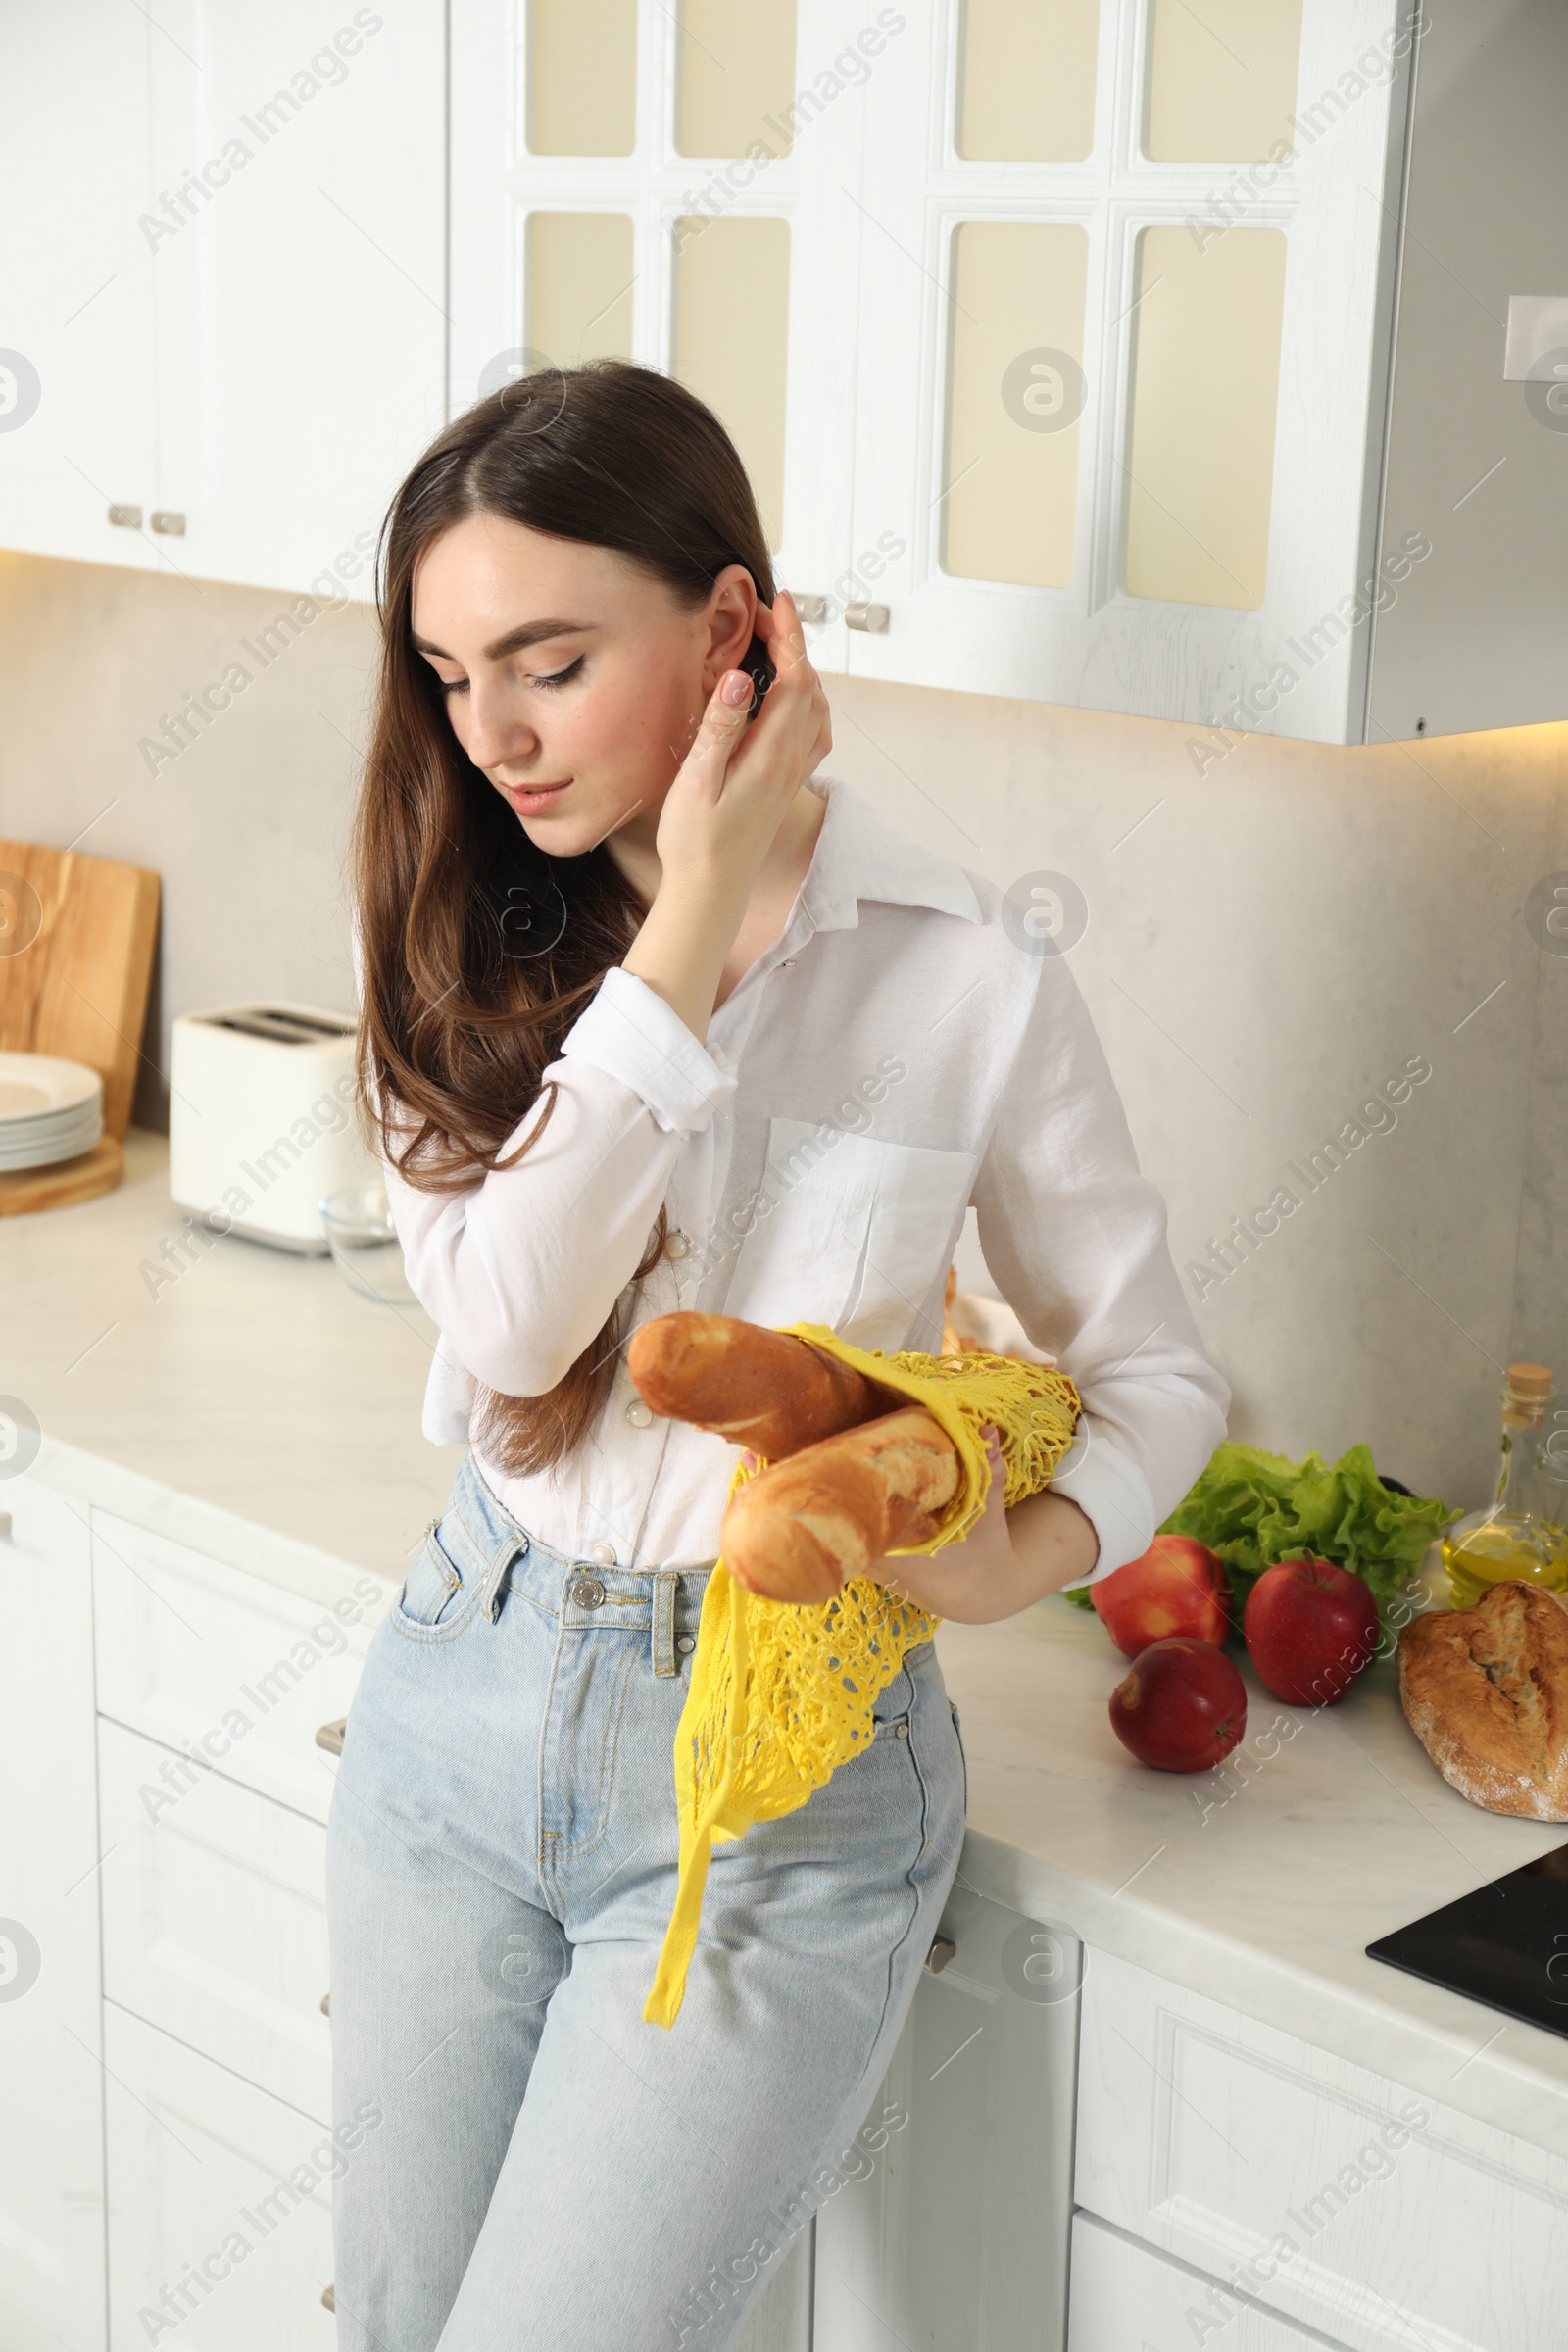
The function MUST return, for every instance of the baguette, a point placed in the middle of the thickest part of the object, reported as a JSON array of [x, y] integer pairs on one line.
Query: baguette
[[756, 1387], [1486, 1692], [800, 1529]]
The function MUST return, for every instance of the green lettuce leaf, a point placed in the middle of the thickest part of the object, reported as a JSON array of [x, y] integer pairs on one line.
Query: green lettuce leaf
[[1255, 1508]]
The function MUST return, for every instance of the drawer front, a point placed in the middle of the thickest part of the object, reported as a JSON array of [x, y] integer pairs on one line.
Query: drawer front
[[1381, 2219], [1126, 2296], [202, 1656], [210, 2192], [214, 1919]]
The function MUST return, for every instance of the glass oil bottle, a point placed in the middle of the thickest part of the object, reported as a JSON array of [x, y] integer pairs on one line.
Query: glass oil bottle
[[1523, 1533]]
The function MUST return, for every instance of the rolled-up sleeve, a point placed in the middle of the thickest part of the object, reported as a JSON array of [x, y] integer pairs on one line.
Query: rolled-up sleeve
[[1074, 1235], [521, 1269]]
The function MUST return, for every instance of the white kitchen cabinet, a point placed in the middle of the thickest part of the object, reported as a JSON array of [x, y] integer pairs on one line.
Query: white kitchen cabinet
[[240, 1673], [956, 2239], [254, 226], [1149, 416], [1477, 459], [78, 415], [219, 2204], [301, 308], [780, 2320], [215, 1917], [1204, 509], [1340, 2199], [734, 271], [1124, 2294], [51, 2146]]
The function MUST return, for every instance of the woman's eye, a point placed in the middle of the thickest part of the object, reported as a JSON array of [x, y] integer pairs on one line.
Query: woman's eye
[[560, 677], [453, 685]]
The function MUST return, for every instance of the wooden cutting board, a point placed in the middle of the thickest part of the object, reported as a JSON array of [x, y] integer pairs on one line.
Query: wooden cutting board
[[76, 940], [24, 1189]]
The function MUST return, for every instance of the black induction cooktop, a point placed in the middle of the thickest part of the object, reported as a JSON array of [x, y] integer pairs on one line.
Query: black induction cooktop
[[1506, 1945]]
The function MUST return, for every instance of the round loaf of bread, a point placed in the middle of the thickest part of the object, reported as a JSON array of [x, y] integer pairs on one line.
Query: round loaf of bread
[[1486, 1692]]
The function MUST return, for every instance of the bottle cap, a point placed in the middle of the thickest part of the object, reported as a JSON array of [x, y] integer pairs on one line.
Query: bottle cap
[[1529, 1380]]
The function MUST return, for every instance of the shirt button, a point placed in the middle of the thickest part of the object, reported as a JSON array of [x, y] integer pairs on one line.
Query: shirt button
[[677, 1246], [587, 1591], [686, 1643], [640, 1416], [604, 1555]]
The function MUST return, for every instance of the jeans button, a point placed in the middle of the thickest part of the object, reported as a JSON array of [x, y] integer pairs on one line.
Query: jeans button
[[587, 1591]]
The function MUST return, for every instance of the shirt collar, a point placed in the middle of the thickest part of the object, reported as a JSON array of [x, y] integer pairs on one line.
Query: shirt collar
[[857, 856]]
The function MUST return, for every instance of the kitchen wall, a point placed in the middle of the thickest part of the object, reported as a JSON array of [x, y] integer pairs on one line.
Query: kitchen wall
[[1274, 935]]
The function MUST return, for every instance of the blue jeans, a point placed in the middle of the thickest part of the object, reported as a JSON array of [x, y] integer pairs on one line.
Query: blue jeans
[[533, 2166]]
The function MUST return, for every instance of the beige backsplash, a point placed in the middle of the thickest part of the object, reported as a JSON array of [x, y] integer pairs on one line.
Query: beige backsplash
[[1267, 941]]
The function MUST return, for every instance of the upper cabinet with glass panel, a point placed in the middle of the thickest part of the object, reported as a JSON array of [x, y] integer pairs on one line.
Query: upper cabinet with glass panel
[[1137, 302], [676, 181], [1058, 335], [1136, 398]]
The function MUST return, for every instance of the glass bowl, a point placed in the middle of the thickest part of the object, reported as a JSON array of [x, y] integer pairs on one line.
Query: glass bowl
[[365, 1245]]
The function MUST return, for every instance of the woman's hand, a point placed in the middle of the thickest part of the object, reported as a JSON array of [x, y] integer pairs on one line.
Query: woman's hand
[[1007, 1560], [735, 786]]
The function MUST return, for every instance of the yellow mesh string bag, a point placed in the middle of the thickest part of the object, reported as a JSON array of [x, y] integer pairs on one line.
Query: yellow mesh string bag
[[781, 1694]]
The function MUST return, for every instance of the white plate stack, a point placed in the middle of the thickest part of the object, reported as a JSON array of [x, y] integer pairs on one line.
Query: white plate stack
[[49, 1110]]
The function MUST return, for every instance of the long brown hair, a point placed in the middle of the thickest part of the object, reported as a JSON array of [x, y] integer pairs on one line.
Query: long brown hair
[[457, 1025]]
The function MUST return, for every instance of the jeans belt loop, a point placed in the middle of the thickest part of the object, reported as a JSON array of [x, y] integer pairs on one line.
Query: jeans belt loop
[[667, 1585], [498, 1579]]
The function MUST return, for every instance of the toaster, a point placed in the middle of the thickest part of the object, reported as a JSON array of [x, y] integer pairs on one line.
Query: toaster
[[262, 1120]]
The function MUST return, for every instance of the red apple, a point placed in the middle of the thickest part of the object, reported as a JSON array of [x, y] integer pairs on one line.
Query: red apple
[[1181, 1706], [1176, 1587], [1311, 1628]]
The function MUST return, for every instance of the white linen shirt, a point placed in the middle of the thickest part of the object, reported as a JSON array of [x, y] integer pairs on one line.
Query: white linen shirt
[[893, 1056]]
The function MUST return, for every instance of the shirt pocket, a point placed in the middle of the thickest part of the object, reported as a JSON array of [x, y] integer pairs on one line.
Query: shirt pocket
[[858, 1235]]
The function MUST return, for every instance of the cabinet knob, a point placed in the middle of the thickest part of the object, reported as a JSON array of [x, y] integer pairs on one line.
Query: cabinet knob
[[812, 608], [942, 1949], [329, 2297], [326, 2004], [126, 518], [865, 616], [330, 1735], [168, 521]]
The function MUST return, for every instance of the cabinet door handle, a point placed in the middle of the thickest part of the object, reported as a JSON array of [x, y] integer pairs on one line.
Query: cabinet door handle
[[126, 518], [330, 1735], [329, 2297], [812, 608], [942, 1949], [865, 616], [326, 2004], [167, 521]]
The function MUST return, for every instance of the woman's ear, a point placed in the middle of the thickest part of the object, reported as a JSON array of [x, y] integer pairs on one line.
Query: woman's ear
[[731, 623]]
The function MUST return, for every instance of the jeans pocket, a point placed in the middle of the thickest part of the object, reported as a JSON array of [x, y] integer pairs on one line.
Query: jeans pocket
[[432, 1594]]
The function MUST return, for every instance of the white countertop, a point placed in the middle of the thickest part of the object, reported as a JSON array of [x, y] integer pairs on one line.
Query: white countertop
[[254, 1392], [259, 1411]]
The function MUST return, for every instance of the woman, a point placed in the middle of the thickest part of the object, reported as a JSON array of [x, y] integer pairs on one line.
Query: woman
[[655, 1017]]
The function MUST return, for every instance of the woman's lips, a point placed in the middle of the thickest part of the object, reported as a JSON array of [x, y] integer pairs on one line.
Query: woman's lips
[[529, 798]]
